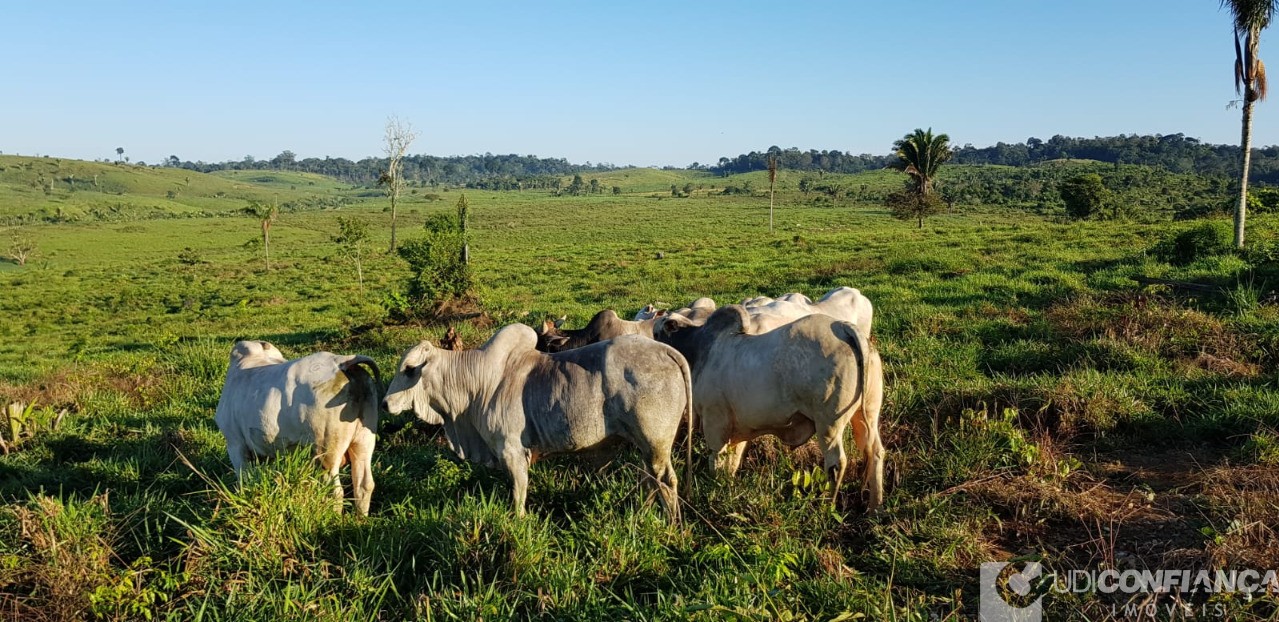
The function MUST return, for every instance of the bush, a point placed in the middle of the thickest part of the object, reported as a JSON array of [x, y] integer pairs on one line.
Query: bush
[[911, 205], [436, 260], [1206, 240], [1263, 200], [1085, 195]]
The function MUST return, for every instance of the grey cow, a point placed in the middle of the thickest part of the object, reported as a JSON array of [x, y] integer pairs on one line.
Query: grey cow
[[813, 375], [506, 404]]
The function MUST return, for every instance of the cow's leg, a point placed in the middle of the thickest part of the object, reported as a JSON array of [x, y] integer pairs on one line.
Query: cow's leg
[[516, 461], [866, 432], [360, 455], [237, 452], [831, 438], [661, 472], [716, 431], [331, 458], [733, 457]]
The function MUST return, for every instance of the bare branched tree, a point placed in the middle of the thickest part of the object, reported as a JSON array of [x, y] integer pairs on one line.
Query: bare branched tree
[[21, 248], [395, 143]]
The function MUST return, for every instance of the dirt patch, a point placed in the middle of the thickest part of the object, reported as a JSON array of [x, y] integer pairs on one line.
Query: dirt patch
[[1166, 508], [69, 387]]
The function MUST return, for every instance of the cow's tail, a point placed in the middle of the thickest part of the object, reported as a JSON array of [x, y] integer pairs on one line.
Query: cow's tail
[[862, 348], [688, 416], [348, 364]]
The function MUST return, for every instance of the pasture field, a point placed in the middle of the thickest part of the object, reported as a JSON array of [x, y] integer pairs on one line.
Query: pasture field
[[1039, 405]]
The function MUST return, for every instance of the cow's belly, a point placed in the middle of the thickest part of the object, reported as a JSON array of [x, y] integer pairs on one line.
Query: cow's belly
[[564, 426]]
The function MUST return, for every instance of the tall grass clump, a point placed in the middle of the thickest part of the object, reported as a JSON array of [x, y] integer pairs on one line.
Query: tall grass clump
[[266, 547], [1209, 239]]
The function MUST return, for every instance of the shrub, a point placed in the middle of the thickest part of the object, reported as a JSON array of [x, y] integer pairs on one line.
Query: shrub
[[1085, 195], [911, 205], [1206, 240], [436, 261]]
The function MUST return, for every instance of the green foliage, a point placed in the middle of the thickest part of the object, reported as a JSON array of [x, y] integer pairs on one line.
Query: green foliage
[[1264, 200], [436, 260], [23, 422], [911, 205], [1085, 195], [1210, 239], [920, 155], [1262, 447], [353, 239]]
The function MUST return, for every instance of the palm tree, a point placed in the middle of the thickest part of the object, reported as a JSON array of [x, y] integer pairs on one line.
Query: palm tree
[[266, 214], [920, 155], [1251, 17]]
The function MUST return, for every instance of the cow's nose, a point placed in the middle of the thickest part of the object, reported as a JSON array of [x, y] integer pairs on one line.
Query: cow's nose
[[384, 406]]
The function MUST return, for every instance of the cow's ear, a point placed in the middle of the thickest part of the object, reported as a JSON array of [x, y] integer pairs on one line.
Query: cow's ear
[[560, 322], [659, 313], [670, 326], [556, 343], [547, 326]]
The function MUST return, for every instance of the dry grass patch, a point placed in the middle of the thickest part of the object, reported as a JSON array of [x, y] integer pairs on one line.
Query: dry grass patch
[[142, 384], [1155, 325]]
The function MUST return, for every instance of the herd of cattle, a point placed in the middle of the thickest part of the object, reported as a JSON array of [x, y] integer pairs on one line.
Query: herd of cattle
[[789, 367]]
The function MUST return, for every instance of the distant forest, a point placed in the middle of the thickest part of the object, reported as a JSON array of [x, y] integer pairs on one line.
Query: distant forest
[[530, 170], [1175, 153]]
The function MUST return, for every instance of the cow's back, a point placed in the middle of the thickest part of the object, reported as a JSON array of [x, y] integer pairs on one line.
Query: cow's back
[[251, 401], [760, 377], [579, 398]]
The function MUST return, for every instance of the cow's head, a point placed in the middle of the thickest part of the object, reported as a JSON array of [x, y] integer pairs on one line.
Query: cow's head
[[408, 391], [730, 320], [253, 353], [550, 338], [649, 312]]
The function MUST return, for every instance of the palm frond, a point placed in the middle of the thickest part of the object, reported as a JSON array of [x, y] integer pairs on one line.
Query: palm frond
[[1238, 66], [1250, 14]]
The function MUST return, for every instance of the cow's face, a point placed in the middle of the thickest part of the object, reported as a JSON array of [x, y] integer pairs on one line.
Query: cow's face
[[407, 390], [550, 338], [672, 327], [252, 353]]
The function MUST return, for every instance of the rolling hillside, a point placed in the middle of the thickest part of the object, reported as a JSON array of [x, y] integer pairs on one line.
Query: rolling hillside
[[57, 189]]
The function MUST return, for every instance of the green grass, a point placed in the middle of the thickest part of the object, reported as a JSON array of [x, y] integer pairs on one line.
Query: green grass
[[1031, 389]]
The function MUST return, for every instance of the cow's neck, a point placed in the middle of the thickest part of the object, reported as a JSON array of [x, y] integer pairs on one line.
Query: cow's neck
[[465, 385]]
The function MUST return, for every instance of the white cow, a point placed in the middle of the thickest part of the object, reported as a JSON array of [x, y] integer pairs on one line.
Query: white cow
[[842, 303], [813, 375], [698, 311], [324, 400]]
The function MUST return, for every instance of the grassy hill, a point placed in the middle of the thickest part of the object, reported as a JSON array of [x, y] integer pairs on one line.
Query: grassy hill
[[43, 189]]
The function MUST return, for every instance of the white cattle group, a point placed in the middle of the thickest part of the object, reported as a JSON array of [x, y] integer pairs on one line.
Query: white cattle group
[[787, 367]]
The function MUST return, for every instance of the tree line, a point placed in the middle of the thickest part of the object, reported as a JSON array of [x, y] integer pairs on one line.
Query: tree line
[[419, 169], [1175, 153]]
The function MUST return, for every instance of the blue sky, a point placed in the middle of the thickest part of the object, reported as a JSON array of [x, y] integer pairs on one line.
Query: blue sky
[[628, 83]]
